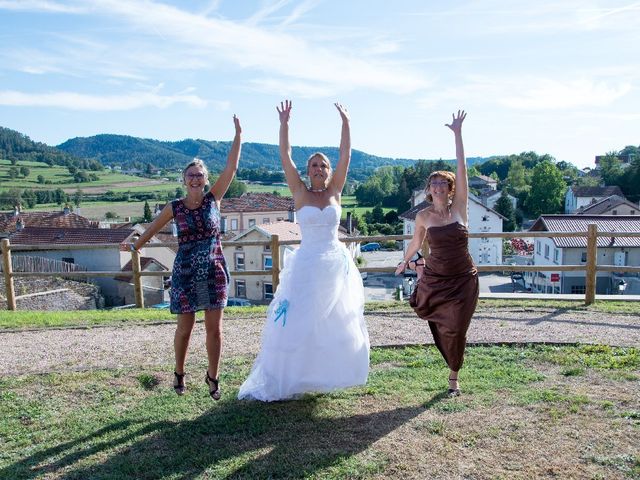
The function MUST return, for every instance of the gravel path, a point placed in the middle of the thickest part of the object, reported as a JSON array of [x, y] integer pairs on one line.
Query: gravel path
[[56, 350]]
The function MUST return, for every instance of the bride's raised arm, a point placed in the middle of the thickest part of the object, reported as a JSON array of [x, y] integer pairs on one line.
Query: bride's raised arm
[[294, 181], [339, 176]]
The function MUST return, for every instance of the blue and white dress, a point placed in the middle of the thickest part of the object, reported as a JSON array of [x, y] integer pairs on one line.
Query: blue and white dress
[[315, 338]]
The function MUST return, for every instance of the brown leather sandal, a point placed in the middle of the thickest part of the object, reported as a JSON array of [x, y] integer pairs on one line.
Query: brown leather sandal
[[214, 387]]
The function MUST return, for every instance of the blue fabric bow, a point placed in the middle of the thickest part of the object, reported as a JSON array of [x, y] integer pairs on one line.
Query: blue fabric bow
[[281, 311]]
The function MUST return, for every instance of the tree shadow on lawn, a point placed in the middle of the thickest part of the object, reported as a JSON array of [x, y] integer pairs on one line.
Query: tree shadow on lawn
[[235, 439]]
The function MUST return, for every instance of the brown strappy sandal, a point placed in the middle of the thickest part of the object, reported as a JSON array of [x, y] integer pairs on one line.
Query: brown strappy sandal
[[214, 387]]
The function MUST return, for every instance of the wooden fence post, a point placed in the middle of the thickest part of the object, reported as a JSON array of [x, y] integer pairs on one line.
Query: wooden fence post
[[592, 262], [275, 262], [8, 274], [137, 279]]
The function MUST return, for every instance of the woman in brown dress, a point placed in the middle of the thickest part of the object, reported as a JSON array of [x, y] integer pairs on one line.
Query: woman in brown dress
[[447, 290]]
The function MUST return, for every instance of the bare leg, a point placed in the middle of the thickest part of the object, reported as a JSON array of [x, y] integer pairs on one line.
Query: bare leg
[[186, 321], [213, 326], [454, 388]]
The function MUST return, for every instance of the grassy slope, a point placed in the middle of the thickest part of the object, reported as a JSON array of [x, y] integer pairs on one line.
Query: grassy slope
[[517, 402]]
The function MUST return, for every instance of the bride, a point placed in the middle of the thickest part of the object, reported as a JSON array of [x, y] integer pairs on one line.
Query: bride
[[315, 338]]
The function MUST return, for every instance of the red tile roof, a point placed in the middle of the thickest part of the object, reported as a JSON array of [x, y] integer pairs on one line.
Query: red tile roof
[[256, 202], [580, 223], [69, 236], [44, 219]]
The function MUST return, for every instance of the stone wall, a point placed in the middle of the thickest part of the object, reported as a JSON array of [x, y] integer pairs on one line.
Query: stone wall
[[52, 294]]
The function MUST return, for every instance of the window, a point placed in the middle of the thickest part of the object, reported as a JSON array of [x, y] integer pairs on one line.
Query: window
[[583, 257], [578, 289], [485, 218], [632, 212], [252, 222], [556, 255], [538, 248], [267, 262], [239, 261], [268, 291], [68, 259], [546, 251], [614, 212], [241, 289], [266, 220], [267, 247], [234, 224]]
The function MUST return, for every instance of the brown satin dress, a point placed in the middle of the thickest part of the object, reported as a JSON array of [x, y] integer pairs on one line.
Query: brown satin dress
[[447, 293]]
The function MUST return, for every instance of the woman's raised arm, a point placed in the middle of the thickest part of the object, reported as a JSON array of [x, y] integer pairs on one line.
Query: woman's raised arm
[[461, 197], [290, 172], [226, 177], [339, 176]]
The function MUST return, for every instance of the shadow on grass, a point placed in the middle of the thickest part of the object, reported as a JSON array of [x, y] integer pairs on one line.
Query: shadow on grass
[[232, 440]]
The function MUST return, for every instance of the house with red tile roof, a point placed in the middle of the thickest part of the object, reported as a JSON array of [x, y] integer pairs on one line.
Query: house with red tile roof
[[613, 205], [112, 255], [155, 289], [241, 213], [259, 288]]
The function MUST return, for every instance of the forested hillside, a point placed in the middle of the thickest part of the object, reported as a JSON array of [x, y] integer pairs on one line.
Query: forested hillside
[[137, 152]]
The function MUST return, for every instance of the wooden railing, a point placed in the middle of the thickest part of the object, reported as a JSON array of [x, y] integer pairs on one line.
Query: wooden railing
[[590, 267]]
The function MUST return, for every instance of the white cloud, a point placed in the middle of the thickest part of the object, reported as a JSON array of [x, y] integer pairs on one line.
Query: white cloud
[[552, 94], [530, 93], [196, 41], [39, 6], [81, 101]]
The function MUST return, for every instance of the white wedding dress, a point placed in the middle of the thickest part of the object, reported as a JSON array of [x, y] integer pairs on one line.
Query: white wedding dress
[[315, 338]]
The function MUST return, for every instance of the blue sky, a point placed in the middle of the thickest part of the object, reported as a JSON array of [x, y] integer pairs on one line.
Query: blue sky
[[557, 77]]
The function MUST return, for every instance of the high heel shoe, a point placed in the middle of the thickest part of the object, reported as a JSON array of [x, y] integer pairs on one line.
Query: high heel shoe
[[453, 392], [214, 387], [178, 383]]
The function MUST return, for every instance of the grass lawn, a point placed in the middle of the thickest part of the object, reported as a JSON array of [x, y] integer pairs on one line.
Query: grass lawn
[[44, 319], [525, 412]]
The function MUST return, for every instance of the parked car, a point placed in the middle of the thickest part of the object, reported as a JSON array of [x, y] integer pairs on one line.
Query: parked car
[[238, 302], [370, 247]]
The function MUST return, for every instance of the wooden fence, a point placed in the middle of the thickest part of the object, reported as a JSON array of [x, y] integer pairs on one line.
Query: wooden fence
[[590, 267]]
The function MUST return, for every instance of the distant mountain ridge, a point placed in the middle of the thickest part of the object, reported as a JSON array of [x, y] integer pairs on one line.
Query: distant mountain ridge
[[128, 151], [125, 150]]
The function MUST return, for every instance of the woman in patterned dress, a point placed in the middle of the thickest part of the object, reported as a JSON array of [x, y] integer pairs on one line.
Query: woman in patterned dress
[[200, 277]]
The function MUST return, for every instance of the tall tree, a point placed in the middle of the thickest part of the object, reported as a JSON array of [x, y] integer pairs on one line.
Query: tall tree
[[611, 170], [236, 189], [505, 208], [147, 216], [77, 197], [547, 190]]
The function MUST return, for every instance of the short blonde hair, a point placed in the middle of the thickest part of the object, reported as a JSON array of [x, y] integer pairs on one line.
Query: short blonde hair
[[324, 158], [196, 162], [450, 177]]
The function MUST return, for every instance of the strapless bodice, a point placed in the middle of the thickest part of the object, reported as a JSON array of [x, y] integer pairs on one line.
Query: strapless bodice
[[319, 225]]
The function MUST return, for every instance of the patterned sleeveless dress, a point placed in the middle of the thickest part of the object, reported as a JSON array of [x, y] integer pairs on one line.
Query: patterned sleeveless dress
[[200, 277]]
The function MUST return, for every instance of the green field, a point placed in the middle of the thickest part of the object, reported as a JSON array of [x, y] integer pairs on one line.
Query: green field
[[526, 412], [120, 183]]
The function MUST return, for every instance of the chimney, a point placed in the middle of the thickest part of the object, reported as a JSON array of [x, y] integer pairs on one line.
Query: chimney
[[16, 210], [19, 224], [349, 223], [66, 210]]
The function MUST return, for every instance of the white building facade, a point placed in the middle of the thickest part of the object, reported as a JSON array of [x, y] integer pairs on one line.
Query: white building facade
[[485, 250]]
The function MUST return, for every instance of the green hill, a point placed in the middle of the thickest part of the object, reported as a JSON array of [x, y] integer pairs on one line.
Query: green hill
[[136, 152]]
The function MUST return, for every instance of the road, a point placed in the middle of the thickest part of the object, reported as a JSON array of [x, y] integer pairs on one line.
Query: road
[[382, 286]]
